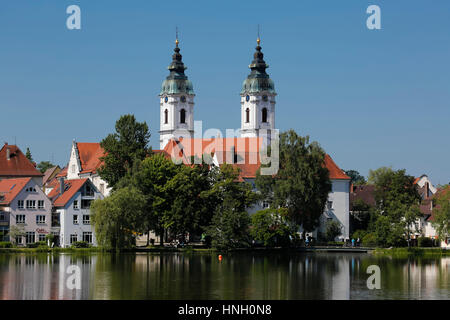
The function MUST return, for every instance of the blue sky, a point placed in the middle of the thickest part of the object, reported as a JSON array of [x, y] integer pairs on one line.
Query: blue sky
[[370, 97]]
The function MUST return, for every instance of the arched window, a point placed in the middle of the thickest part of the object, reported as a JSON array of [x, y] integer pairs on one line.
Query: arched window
[[166, 116], [264, 115], [247, 115], [182, 116]]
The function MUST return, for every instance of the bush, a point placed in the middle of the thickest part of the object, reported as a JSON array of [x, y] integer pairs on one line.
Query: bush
[[333, 229], [359, 234], [424, 242], [369, 240], [5, 244], [80, 244]]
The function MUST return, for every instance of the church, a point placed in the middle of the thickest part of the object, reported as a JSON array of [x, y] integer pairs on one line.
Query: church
[[257, 99]]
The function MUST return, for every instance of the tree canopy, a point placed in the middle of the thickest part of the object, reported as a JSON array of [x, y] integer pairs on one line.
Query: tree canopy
[[123, 148], [355, 177], [302, 183]]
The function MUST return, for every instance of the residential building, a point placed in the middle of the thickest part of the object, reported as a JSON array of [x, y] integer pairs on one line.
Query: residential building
[[71, 211], [49, 176], [84, 162], [14, 164], [24, 206]]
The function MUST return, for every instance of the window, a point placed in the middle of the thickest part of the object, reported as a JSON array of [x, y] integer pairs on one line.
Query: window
[[166, 116], [30, 189], [265, 204], [31, 204], [183, 116], [41, 237], [264, 115], [29, 237], [88, 190], [87, 237], [19, 240], [73, 168], [40, 219], [85, 204], [40, 204], [329, 205], [2, 217], [247, 115], [75, 204], [73, 238], [75, 219], [20, 218], [20, 204], [86, 219]]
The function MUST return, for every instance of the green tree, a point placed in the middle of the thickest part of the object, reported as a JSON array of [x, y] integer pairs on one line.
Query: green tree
[[118, 218], [272, 227], [355, 177], [302, 183], [152, 177], [123, 148], [388, 233], [28, 154], [229, 226], [16, 231], [376, 175], [191, 208], [333, 229], [44, 165], [441, 214]]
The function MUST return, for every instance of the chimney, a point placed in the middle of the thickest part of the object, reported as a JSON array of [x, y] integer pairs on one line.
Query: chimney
[[61, 186], [8, 153]]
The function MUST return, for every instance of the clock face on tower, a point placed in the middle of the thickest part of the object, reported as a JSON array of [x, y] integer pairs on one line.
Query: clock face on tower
[[183, 99], [166, 99], [265, 98], [247, 98]]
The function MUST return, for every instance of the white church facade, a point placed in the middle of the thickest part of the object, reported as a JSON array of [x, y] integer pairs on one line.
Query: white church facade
[[257, 99]]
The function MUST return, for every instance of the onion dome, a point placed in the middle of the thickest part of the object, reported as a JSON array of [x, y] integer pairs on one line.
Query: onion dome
[[258, 80], [176, 82]]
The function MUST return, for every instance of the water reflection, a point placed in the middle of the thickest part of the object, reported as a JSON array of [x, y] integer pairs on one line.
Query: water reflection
[[237, 276]]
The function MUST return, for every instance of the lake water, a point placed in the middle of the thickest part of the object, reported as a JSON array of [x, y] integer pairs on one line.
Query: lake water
[[237, 276]]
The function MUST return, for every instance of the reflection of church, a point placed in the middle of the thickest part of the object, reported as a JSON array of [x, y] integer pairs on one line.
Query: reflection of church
[[257, 125]]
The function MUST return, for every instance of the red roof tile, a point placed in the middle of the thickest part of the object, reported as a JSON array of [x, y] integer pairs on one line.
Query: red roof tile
[[246, 150], [70, 188], [10, 188], [90, 154], [18, 164]]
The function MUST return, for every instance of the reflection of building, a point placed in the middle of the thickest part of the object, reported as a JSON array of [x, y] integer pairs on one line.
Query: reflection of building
[[72, 201], [25, 208]]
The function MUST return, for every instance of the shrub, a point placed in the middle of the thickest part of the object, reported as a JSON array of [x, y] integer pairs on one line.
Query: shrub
[[333, 229], [424, 242], [5, 244], [369, 240], [359, 234], [80, 244]]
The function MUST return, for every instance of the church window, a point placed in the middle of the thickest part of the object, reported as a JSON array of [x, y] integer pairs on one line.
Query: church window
[[264, 115], [166, 116], [183, 116], [247, 115]]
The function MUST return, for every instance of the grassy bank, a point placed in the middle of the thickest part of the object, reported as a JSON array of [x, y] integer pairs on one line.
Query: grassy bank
[[412, 252]]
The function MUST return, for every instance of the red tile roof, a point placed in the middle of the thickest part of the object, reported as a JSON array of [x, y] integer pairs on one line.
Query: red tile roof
[[246, 150], [70, 188], [10, 188], [62, 173], [90, 154], [364, 192], [335, 172], [18, 164]]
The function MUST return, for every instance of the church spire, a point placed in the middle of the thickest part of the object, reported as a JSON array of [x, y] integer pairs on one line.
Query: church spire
[[176, 82]]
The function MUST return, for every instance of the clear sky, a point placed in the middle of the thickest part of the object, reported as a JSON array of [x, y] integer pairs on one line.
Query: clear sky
[[371, 98]]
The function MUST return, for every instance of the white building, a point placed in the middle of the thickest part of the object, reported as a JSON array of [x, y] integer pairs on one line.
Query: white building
[[257, 124], [84, 162], [71, 203]]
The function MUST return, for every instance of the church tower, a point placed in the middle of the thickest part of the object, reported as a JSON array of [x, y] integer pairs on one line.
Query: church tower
[[258, 100], [176, 103]]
